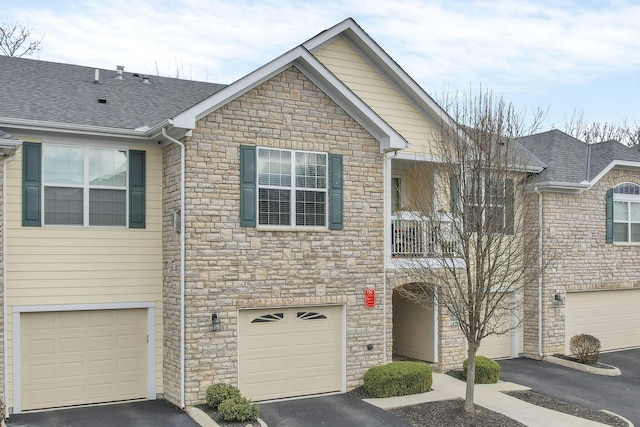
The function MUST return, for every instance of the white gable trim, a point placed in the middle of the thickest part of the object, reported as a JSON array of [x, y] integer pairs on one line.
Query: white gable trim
[[299, 57], [379, 59], [614, 164]]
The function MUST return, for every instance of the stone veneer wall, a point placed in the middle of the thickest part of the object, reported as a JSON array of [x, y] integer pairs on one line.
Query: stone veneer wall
[[171, 274], [574, 236], [231, 267], [451, 342]]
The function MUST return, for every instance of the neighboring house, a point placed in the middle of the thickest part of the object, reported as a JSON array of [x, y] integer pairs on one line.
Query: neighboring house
[[588, 199], [161, 234]]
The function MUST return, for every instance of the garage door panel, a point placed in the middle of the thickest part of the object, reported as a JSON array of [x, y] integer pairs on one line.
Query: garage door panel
[[92, 357], [612, 316], [290, 352]]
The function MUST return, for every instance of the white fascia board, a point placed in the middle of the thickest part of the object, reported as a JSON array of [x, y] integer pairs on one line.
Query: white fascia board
[[188, 118], [360, 40], [299, 57], [389, 139], [563, 187], [616, 163], [71, 128]]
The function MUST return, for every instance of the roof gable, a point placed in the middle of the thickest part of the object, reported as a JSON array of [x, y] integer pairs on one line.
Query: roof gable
[[574, 165], [306, 63]]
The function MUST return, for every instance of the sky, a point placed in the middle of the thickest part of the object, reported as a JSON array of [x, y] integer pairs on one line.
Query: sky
[[569, 58]]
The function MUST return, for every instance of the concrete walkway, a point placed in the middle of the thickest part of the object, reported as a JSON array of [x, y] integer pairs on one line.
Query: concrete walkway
[[491, 397]]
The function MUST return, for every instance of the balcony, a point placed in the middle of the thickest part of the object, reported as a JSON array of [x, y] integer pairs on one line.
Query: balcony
[[415, 236]]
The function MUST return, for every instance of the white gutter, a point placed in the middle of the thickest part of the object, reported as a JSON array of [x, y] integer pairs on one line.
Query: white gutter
[[540, 278], [4, 277], [182, 261], [41, 125]]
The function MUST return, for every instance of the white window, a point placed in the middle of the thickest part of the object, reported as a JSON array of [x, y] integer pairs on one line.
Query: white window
[[292, 188], [489, 206], [84, 186], [626, 213]]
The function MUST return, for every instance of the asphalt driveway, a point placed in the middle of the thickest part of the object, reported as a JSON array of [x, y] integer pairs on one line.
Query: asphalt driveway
[[151, 413], [617, 394], [329, 411]]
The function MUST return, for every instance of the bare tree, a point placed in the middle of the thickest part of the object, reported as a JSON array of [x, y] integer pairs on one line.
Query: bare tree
[[16, 40], [592, 133], [480, 252]]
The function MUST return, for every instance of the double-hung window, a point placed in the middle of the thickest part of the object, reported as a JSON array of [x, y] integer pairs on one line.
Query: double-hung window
[[292, 188], [84, 186], [626, 213], [488, 205], [72, 185]]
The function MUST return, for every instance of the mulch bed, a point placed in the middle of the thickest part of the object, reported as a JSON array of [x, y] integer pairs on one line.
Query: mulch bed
[[451, 413]]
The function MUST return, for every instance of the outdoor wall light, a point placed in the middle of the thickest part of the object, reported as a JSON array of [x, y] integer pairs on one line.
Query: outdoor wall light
[[215, 321], [558, 300]]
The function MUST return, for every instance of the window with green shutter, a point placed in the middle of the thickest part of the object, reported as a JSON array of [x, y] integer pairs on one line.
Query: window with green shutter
[[72, 185], [290, 188]]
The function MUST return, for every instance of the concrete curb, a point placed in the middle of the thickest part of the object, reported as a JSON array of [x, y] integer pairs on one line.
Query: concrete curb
[[205, 420], [629, 423], [609, 372]]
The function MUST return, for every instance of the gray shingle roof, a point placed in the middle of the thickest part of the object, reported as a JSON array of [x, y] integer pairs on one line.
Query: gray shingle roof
[[570, 160], [63, 93]]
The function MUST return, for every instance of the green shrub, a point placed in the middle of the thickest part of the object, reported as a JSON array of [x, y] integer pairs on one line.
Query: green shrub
[[239, 409], [398, 379], [217, 393], [487, 370], [586, 348]]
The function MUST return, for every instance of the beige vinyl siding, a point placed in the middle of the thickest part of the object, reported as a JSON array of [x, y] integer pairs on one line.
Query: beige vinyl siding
[[354, 71], [78, 265]]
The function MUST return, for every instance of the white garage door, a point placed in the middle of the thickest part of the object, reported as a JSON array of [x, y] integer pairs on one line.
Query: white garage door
[[500, 346], [80, 357], [285, 352], [611, 316]]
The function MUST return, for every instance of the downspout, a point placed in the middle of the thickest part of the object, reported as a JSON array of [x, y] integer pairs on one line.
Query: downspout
[[182, 262], [540, 278], [4, 277]]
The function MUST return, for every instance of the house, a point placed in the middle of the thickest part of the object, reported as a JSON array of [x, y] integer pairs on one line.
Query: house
[[588, 199], [161, 234]]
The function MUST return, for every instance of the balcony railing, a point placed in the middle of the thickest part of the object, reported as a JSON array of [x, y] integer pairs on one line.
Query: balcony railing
[[415, 236]]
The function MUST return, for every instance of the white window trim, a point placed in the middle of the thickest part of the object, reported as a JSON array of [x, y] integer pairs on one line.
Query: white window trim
[[626, 198], [483, 196], [17, 354], [86, 187], [292, 190]]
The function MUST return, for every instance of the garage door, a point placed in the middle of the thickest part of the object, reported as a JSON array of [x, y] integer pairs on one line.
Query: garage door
[[80, 357], [500, 346], [285, 352], [611, 316]]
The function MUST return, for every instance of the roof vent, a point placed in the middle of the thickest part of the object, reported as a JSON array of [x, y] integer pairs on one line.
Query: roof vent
[[96, 78], [119, 70], [145, 80], [102, 101]]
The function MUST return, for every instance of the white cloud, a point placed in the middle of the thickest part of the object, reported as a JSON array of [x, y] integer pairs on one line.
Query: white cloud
[[502, 44]]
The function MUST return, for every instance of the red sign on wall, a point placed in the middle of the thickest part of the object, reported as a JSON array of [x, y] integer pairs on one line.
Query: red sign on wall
[[369, 298]]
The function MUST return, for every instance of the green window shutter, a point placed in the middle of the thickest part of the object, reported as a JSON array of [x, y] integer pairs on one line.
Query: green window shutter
[[336, 197], [248, 190], [609, 215], [137, 196], [454, 194], [31, 184], [509, 213]]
